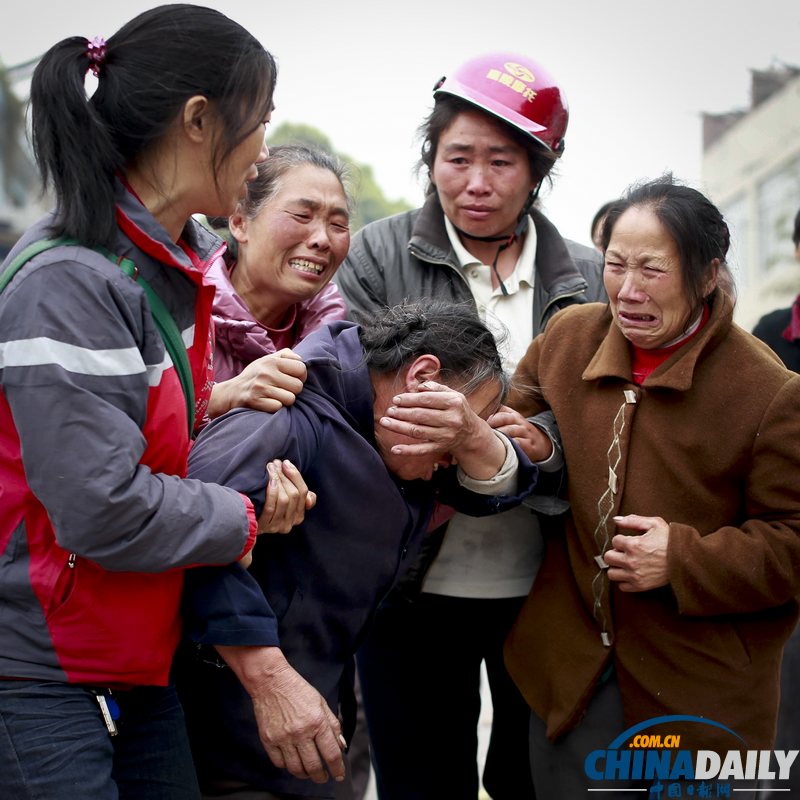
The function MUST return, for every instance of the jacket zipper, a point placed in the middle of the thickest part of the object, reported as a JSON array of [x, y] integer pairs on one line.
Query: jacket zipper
[[445, 263]]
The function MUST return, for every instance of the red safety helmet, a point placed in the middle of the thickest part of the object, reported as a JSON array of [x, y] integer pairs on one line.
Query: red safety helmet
[[516, 90]]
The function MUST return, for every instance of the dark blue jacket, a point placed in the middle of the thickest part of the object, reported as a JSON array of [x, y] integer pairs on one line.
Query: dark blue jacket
[[320, 584]]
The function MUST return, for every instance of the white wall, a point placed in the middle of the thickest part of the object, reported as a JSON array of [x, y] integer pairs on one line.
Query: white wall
[[752, 173]]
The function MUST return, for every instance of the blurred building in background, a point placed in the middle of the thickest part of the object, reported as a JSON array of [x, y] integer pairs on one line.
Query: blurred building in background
[[751, 170], [21, 200]]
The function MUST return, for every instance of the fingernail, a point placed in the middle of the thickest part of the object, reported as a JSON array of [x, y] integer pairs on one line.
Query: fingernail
[[342, 741]]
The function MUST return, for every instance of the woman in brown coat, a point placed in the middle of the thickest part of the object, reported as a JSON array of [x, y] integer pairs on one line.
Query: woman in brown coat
[[673, 588]]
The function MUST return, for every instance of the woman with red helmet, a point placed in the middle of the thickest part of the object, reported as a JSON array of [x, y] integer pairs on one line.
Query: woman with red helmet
[[495, 131]]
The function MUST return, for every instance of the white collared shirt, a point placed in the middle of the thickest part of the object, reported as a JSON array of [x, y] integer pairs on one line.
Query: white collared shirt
[[498, 556], [511, 315]]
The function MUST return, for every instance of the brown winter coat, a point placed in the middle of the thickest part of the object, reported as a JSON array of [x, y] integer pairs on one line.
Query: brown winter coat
[[712, 445]]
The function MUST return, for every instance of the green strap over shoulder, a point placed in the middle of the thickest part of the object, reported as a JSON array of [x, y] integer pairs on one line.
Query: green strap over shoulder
[[166, 325]]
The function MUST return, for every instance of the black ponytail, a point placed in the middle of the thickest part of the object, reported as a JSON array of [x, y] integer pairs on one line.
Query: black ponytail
[[72, 145]]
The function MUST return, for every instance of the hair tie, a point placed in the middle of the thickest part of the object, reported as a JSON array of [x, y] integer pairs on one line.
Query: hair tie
[[96, 53]]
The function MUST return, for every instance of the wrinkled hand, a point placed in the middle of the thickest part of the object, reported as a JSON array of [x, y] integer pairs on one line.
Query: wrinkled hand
[[287, 498], [267, 384], [639, 563], [438, 416], [533, 441], [297, 728], [442, 421]]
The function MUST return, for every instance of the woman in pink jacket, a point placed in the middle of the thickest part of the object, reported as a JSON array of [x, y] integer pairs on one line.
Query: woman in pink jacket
[[287, 239]]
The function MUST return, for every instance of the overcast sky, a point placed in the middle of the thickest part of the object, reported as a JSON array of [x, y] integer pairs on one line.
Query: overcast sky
[[637, 73]]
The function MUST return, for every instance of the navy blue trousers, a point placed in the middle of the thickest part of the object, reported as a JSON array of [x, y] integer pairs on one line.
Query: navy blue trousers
[[420, 680]]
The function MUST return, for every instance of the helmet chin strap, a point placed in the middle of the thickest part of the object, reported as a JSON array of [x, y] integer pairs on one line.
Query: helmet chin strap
[[507, 239]]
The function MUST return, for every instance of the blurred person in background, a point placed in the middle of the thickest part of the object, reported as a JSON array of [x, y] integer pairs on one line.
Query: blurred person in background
[[780, 329], [496, 130], [596, 230]]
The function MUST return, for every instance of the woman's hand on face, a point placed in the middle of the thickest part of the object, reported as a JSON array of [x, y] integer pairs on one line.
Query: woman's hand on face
[[439, 417], [267, 384], [442, 421], [287, 499], [639, 563], [533, 441]]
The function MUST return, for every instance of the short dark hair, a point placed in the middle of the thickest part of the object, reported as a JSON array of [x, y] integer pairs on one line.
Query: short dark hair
[[448, 107], [796, 234], [695, 224], [467, 351], [599, 217], [151, 67]]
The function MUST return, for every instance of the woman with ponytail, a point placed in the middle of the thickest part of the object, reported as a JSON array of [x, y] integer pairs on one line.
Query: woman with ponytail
[[105, 341]]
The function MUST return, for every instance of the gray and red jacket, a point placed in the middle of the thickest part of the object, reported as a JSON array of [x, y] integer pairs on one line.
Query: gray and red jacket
[[97, 519]]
